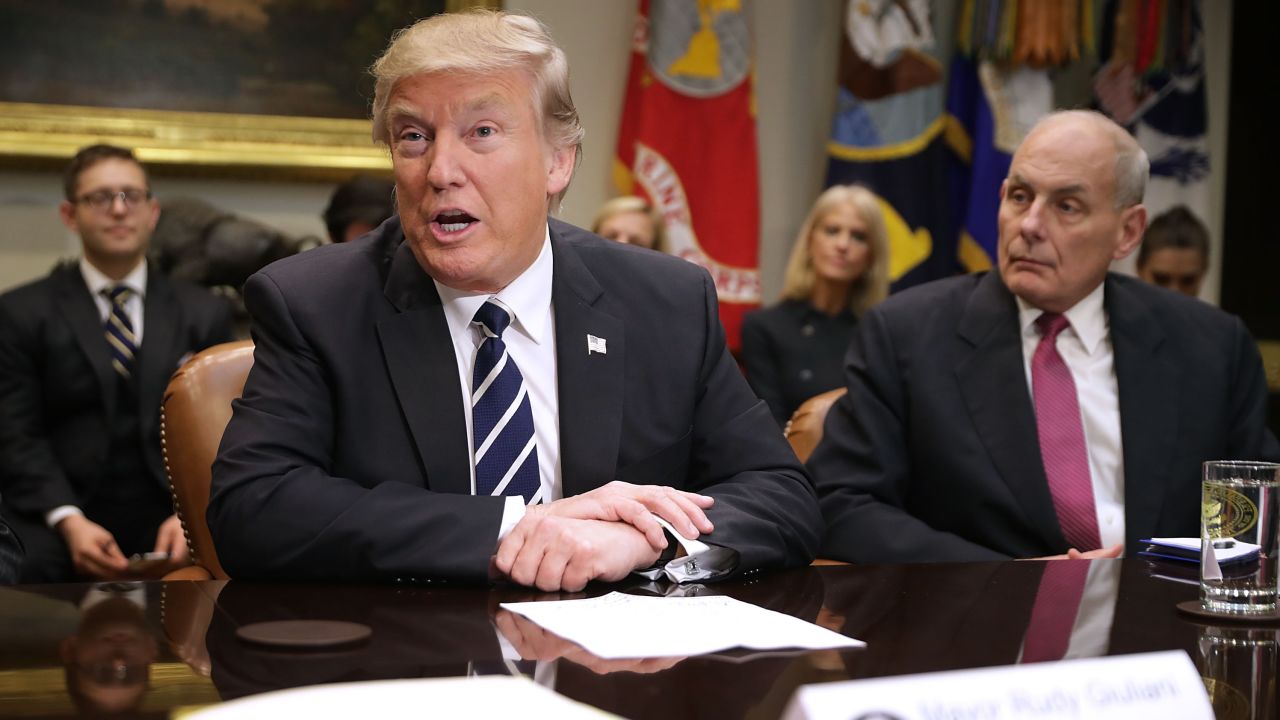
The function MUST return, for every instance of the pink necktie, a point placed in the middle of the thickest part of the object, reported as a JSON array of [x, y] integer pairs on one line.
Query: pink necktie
[[1055, 610], [1066, 459]]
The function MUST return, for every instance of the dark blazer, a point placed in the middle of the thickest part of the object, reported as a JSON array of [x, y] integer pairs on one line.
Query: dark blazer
[[348, 458], [933, 454], [59, 389], [11, 554], [791, 352]]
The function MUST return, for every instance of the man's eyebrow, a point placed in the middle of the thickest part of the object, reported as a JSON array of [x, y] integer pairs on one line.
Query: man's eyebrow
[[402, 111], [485, 103], [1073, 189]]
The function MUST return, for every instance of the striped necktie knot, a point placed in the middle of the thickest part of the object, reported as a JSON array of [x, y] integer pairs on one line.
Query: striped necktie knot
[[493, 319]]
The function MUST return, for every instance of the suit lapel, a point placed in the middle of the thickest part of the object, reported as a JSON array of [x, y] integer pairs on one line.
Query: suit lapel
[[590, 380], [157, 356], [991, 379], [424, 372], [81, 312], [1148, 387]]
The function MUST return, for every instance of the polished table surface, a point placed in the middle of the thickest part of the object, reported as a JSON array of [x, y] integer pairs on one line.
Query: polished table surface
[[162, 646]]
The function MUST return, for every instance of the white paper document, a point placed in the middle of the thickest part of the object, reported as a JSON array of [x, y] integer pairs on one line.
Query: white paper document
[[1163, 685], [473, 697], [618, 626]]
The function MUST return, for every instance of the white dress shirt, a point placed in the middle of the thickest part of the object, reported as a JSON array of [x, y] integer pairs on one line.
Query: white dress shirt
[[531, 342], [96, 281], [1086, 349]]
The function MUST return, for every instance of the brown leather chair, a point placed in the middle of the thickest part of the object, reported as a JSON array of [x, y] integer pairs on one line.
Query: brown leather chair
[[195, 411], [804, 429]]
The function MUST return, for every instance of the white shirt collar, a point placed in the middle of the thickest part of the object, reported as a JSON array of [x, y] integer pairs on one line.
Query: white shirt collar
[[96, 281], [528, 297], [1088, 318]]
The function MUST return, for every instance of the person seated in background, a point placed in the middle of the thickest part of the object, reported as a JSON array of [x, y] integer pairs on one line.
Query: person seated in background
[[513, 398], [85, 355], [630, 220], [1046, 408], [1175, 251], [357, 206], [839, 268]]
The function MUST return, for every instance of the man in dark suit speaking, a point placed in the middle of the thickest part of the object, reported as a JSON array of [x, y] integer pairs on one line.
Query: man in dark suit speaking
[[85, 355], [1047, 407], [512, 397]]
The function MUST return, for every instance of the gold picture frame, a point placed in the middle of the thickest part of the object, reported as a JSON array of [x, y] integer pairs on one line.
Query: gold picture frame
[[35, 135]]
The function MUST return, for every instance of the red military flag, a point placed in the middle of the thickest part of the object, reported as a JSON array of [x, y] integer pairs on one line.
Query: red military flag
[[688, 141]]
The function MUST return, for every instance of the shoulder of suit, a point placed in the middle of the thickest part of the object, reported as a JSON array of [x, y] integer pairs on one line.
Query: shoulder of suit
[[784, 312], [37, 290], [594, 249], [945, 295], [1178, 311]]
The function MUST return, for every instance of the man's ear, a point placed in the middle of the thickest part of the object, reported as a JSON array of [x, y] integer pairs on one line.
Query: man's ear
[[67, 212], [560, 169], [1133, 225]]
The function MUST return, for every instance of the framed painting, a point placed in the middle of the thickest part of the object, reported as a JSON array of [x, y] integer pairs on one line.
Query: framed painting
[[238, 87]]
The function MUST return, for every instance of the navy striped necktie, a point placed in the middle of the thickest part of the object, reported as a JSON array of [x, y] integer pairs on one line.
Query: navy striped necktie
[[506, 455], [119, 330]]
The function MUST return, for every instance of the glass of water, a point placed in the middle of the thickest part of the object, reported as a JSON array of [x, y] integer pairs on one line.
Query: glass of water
[[1239, 543]]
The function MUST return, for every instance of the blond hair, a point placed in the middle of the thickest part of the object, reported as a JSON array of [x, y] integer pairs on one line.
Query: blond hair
[[869, 288], [482, 42], [633, 203]]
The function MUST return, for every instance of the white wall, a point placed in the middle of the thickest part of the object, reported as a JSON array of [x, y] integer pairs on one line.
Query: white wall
[[796, 45]]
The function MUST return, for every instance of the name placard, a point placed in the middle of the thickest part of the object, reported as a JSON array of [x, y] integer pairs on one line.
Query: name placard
[[1157, 685]]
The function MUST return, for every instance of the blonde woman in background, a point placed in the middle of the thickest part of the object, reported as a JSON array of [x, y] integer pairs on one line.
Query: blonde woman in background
[[839, 267], [630, 220]]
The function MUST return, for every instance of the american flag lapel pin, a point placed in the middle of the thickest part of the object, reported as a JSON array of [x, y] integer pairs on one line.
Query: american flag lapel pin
[[595, 344]]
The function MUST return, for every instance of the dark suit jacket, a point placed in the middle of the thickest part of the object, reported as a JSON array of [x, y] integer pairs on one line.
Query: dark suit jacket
[[791, 352], [10, 554], [933, 454], [59, 389], [348, 458]]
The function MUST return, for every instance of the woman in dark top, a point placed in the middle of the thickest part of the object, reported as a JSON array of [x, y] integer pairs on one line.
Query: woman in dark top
[[839, 267]]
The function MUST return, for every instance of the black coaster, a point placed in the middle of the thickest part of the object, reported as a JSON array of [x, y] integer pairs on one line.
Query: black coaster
[[1193, 608], [304, 634]]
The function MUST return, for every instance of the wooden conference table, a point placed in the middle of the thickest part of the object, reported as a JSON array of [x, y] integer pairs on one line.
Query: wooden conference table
[[175, 643]]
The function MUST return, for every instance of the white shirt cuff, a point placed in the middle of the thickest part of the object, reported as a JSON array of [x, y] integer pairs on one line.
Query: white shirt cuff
[[512, 513], [700, 561], [60, 513]]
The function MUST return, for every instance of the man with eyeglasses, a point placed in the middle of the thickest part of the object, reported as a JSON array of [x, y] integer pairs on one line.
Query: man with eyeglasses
[[85, 355]]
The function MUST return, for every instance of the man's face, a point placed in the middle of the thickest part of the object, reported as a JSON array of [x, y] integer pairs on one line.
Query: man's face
[[118, 230], [1180, 269], [1059, 227], [473, 175]]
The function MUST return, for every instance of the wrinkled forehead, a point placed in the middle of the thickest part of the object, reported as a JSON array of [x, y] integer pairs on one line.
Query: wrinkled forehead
[[1066, 157]]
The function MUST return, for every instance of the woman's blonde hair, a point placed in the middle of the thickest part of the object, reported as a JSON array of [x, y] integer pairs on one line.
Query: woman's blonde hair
[[873, 285], [482, 42], [632, 203]]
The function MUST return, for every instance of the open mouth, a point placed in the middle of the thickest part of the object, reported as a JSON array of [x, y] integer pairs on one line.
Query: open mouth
[[453, 221]]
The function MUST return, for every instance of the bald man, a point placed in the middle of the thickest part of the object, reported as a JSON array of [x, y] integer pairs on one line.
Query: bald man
[[1048, 408]]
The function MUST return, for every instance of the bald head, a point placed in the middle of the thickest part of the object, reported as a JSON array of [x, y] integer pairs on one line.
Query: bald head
[[1131, 168]]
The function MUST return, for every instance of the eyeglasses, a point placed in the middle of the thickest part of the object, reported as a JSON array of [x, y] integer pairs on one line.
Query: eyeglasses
[[103, 200]]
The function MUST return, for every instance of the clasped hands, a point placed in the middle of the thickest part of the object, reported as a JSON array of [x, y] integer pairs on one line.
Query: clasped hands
[[600, 535]]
